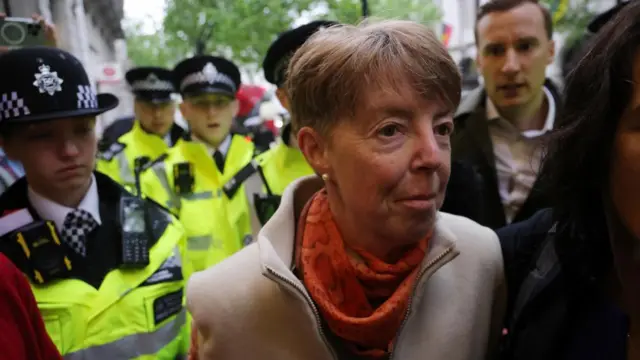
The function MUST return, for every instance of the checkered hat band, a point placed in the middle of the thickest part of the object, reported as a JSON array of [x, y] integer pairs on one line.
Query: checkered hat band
[[87, 98], [12, 105]]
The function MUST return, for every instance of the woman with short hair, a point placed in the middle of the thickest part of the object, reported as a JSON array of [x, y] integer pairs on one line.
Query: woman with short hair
[[358, 263]]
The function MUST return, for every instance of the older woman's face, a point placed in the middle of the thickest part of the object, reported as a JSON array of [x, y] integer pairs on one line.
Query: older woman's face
[[625, 174], [389, 165]]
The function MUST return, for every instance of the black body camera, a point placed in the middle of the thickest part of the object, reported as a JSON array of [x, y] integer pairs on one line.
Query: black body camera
[[46, 258]]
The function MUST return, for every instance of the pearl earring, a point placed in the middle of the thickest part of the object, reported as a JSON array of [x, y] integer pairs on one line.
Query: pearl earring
[[325, 177]]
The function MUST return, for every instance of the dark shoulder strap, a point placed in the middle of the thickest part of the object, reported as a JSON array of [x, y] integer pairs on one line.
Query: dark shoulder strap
[[113, 150], [232, 186]]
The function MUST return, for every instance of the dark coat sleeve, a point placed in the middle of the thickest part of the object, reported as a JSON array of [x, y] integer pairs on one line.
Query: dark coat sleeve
[[520, 244]]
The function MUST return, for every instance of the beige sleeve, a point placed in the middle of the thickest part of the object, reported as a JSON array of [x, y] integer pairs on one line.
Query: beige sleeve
[[499, 308]]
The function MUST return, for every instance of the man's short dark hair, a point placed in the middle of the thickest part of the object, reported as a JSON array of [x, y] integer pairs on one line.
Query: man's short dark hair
[[494, 6]]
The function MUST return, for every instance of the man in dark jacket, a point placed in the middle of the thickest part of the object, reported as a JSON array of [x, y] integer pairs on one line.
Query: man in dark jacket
[[500, 127]]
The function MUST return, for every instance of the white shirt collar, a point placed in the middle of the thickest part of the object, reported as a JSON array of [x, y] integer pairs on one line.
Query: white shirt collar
[[224, 147], [167, 139], [49, 210], [492, 113], [551, 117]]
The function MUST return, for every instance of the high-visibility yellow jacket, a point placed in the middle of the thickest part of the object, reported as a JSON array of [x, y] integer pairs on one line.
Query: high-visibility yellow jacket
[[118, 161], [278, 167], [213, 209], [135, 313]]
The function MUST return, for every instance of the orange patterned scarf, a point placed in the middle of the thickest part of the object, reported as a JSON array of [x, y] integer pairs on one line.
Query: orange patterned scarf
[[362, 299]]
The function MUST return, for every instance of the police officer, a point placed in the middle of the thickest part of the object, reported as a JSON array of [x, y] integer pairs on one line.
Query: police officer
[[284, 163], [105, 266], [201, 180], [153, 132]]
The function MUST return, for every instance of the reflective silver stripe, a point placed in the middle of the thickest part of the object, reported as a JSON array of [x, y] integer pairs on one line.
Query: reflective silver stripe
[[252, 186], [126, 175], [6, 179], [205, 195], [199, 243], [161, 174], [133, 346]]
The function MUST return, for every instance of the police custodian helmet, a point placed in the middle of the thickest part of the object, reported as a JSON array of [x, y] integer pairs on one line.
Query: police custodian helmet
[[44, 83]]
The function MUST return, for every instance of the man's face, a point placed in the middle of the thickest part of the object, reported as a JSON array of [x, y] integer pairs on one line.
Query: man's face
[[155, 118], [210, 116], [513, 53], [58, 156]]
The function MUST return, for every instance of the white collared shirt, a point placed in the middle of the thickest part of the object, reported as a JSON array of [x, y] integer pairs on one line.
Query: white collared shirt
[[518, 155], [224, 147], [167, 139], [49, 210]]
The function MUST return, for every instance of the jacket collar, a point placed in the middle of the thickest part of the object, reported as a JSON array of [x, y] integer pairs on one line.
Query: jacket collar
[[277, 238], [471, 102]]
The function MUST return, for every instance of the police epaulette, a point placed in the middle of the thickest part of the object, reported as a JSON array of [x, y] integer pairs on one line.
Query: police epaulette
[[232, 186], [161, 208], [153, 163], [113, 150]]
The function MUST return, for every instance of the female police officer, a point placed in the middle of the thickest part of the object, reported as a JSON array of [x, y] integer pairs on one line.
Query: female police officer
[[104, 266]]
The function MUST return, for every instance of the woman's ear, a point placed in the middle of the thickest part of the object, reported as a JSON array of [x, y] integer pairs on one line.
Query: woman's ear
[[314, 147]]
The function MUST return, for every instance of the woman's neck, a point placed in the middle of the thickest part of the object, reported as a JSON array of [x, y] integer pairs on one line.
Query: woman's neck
[[356, 234]]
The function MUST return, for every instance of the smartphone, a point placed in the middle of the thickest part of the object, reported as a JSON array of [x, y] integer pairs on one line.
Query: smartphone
[[135, 240], [21, 32]]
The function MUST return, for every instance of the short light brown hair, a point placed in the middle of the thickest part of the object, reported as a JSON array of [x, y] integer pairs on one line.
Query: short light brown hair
[[330, 75], [494, 6]]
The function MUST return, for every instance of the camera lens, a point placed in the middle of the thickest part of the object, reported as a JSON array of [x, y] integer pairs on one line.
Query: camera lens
[[13, 34]]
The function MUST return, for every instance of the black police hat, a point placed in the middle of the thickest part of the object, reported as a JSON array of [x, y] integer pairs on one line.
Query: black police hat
[[204, 74], [152, 84], [602, 19], [280, 52], [44, 83]]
